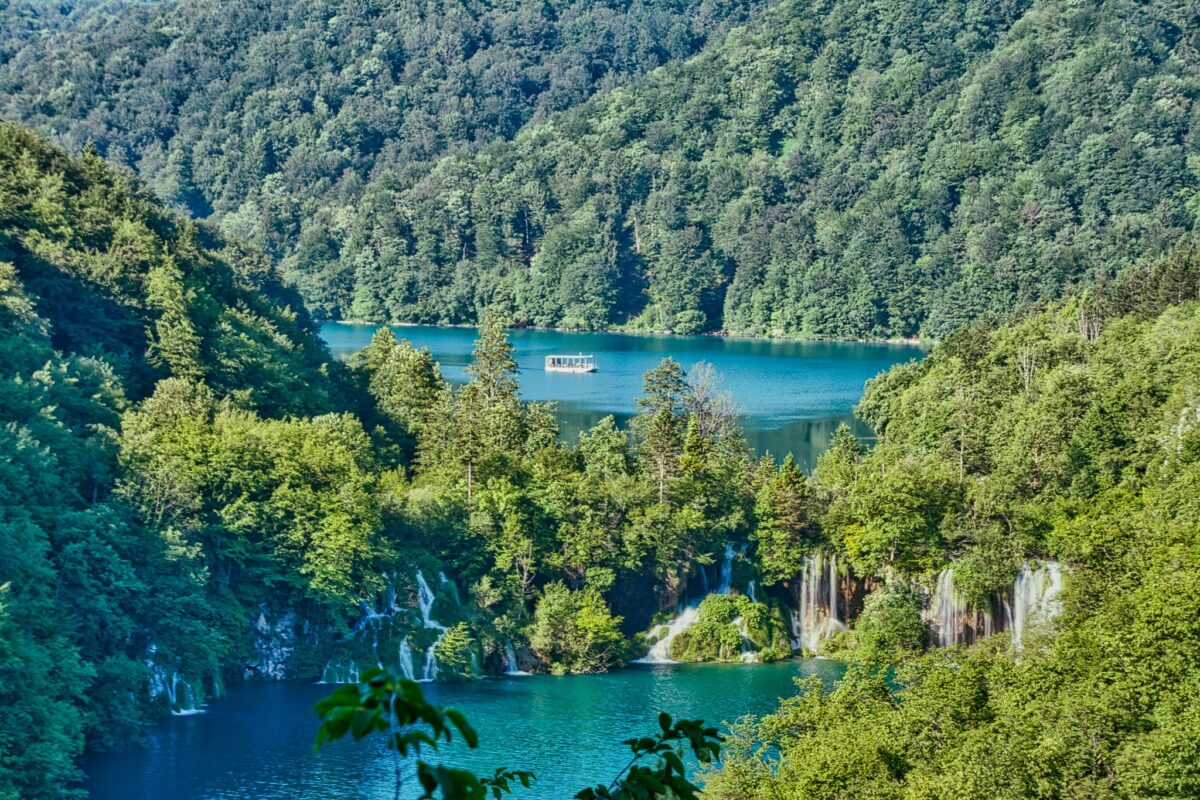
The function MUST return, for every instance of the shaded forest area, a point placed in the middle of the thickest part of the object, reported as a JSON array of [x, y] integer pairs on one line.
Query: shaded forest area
[[825, 169]]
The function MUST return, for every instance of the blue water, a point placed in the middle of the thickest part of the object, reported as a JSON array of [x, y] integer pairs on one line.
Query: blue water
[[792, 395], [257, 742]]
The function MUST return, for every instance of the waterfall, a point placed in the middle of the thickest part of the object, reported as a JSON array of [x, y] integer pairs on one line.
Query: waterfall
[[1032, 598], [511, 667], [750, 592], [168, 683], [183, 699], [948, 613], [817, 617], [373, 623], [660, 651], [726, 582], [1035, 597], [406, 662], [340, 672], [425, 598]]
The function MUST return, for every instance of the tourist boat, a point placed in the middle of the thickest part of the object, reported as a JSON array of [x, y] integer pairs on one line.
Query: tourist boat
[[579, 363]]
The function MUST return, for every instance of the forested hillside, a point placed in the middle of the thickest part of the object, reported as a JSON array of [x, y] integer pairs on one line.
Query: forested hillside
[[193, 493], [102, 295], [1071, 434], [835, 169], [828, 169], [273, 117]]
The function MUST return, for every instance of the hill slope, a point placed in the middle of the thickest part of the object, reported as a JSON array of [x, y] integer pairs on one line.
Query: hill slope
[[101, 295], [271, 116], [831, 169], [835, 169]]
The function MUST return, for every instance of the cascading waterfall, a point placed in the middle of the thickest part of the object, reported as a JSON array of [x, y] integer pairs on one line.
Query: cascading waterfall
[[168, 683], [750, 591], [818, 616], [660, 651], [949, 616], [1035, 597], [373, 622], [425, 598], [337, 671], [405, 657], [511, 667], [726, 582]]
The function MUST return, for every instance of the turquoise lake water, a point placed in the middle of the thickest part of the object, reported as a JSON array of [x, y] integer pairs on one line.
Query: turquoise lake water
[[257, 741], [792, 395]]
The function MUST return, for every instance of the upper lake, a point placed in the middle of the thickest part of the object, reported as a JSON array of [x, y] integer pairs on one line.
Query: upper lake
[[792, 395]]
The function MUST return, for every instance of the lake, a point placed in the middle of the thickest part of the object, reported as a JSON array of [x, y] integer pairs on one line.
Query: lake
[[257, 741], [792, 395]]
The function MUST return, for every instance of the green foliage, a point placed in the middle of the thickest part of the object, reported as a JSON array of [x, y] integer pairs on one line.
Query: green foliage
[[890, 623], [668, 777], [576, 631], [708, 640], [335, 185], [1070, 433], [383, 703], [823, 170], [785, 531], [454, 654], [731, 628]]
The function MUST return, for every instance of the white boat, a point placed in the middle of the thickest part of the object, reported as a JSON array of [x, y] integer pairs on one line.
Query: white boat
[[578, 363]]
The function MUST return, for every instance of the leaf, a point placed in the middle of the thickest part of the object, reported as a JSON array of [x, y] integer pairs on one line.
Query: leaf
[[460, 722]]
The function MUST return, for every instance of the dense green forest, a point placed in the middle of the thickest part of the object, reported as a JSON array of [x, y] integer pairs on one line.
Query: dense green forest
[[1072, 432], [826, 169], [102, 295], [272, 118], [194, 493]]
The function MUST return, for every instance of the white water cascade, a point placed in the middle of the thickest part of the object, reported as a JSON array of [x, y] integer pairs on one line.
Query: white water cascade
[[660, 651], [949, 617], [163, 682], [1035, 598], [405, 657], [818, 616], [1032, 599], [425, 598], [511, 667], [337, 671]]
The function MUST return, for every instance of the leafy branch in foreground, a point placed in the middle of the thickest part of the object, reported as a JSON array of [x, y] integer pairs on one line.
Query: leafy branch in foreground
[[668, 777], [386, 703]]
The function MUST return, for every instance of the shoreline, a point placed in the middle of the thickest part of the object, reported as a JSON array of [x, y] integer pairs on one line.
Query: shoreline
[[901, 341]]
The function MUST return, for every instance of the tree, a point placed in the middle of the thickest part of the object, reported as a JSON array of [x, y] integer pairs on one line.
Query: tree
[[660, 421], [784, 532], [576, 631]]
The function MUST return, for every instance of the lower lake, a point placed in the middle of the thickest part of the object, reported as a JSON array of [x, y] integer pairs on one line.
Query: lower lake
[[257, 741], [792, 395]]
